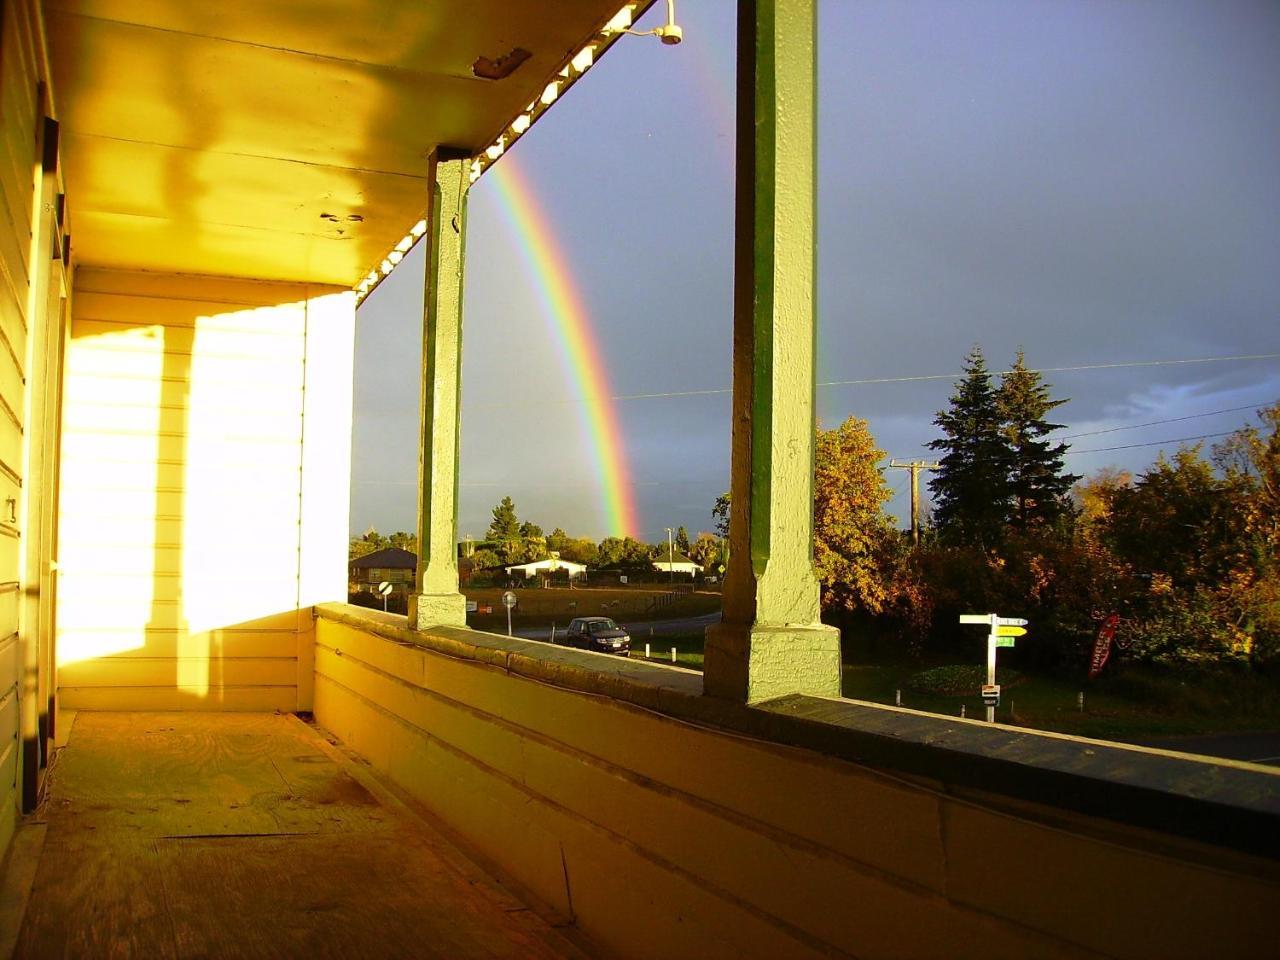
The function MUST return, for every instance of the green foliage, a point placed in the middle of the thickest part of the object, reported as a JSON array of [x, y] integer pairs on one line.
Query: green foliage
[[372, 541], [972, 492], [707, 552], [1038, 484], [505, 524], [619, 553], [721, 514], [958, 680], [485, 560], [682, 541]]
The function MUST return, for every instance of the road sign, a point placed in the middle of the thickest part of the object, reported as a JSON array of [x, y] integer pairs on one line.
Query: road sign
[[983, 618], [472, 606], [1003, 631], [509, 599], [1005, 641], [1010, 622], [991, 694], [384, 588]]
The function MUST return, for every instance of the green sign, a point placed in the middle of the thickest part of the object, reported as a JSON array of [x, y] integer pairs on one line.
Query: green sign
[[1005, 641]]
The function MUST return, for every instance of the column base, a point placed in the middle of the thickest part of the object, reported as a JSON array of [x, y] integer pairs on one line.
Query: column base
[[437, 610], [749, 663]]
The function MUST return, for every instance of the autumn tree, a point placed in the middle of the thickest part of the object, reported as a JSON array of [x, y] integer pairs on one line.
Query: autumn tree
[[851, 530], [1037, 482], [971, 489]]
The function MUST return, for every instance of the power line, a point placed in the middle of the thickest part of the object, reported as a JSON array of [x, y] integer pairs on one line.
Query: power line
[[1086, 366], [919, 378], [1153, 443], [1153, 423]]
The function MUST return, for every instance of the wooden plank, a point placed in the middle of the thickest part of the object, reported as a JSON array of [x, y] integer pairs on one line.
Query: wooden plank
[[166, 671], [116, 699], [250, 838], [142, 641], [171, 286], [9, 677], [106, 313]]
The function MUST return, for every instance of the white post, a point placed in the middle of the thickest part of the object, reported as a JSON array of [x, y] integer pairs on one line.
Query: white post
[[673, 654], [991, 664], [508, 621], [897, 698], [646, 651]]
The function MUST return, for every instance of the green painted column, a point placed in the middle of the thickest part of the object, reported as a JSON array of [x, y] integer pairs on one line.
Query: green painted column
[[436, 599], [771, 641]]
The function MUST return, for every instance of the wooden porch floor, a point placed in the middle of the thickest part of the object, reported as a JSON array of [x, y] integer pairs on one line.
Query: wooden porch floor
[[247, 835]]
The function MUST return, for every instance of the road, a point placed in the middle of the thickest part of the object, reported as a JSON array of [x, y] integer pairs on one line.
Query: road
[[1254, 747], [639, 629]]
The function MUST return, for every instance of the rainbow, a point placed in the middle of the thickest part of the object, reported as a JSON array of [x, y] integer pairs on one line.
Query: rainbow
[[575, 341]]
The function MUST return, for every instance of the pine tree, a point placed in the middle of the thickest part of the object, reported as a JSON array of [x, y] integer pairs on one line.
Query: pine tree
[[505, 525], [971, 490], [1039, 486], [682, 541]]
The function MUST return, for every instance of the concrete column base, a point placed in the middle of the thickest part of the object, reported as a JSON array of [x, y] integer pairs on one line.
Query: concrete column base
[[437, 610], [749, 663]]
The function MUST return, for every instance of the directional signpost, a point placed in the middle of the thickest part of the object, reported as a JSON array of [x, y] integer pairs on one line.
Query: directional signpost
[[1002, 632], [508, 601]]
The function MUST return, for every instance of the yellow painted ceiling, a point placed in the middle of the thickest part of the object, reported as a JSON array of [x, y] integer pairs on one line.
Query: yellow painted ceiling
[[281, 139]]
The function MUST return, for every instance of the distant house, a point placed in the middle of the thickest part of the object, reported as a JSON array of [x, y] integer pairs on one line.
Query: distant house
[[390, 564], [678, 563], [549, 565]]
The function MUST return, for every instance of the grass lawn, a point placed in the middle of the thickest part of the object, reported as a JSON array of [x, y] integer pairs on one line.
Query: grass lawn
[[1133, 704], [538, 607]]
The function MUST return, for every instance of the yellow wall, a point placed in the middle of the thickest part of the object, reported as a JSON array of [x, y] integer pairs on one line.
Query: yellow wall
[[24, 362], [665, 839], [205, 485]]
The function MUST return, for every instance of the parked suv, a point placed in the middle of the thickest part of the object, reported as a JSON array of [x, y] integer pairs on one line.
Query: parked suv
[[599, 634]]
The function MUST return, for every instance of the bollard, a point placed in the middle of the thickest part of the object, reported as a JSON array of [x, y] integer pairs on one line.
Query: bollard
[[1080, 701], [897, 698], [646, 651], [962, 711], [673, 654]]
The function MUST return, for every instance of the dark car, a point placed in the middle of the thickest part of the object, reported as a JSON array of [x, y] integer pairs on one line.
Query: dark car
[[599, 634]]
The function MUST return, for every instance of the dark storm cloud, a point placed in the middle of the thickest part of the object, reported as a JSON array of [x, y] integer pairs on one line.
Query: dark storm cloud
[[1090, 182]]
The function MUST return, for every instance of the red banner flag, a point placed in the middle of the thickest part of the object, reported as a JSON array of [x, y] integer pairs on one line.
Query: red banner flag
[[1102, 646]]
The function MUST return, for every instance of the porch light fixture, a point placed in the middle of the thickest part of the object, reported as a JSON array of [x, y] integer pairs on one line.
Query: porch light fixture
[[574, 67]]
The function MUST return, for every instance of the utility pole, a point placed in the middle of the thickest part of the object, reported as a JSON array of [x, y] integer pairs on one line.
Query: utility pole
[[671, 557], [915, 466]]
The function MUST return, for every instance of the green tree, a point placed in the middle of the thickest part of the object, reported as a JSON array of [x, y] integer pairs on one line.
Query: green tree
[[706, 552], [556, 540], [530, 531], [1037, 482], [721, 514], [505, 524], [682, 541], [971, 489]]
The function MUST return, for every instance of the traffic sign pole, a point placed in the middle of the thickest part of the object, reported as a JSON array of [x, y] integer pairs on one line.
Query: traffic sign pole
[[1001, 632]]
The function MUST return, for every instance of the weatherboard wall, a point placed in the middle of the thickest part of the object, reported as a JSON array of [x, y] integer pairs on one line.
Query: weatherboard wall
[[205, 485], [22, 328]]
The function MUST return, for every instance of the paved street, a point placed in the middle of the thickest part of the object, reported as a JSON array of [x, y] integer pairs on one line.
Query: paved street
[[1254, 747]]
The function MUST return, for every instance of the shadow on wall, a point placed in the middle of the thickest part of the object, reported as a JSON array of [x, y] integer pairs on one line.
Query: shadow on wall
[[204, 489]]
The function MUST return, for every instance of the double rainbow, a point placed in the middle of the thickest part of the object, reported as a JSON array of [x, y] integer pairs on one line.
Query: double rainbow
[[575, 342]]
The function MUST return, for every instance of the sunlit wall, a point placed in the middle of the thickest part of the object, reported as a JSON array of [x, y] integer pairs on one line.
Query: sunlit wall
[[205, 486]]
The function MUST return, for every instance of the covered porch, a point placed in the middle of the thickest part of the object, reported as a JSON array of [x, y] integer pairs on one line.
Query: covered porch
[[198, 200]]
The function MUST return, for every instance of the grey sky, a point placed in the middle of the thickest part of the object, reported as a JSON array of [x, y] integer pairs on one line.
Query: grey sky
[[1093, 182]]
